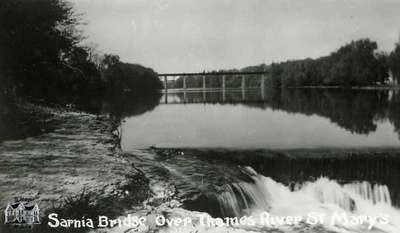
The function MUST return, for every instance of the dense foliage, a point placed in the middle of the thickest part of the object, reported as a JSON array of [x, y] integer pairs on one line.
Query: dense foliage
[[42, 55], [355, 64], [117, 76]]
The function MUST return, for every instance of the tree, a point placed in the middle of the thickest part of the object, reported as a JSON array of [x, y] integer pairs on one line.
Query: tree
[[354, 64], [394, 62], [41, 55], [357, 64], [110, 60], [120, 77]]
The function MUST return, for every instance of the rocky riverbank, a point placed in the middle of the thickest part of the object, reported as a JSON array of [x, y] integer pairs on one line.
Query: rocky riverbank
[[73, 166]]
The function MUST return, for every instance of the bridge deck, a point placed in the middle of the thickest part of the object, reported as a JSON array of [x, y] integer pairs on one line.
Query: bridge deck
[[212, 73]]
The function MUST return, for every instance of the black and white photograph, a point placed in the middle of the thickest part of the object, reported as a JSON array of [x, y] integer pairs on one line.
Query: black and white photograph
[[200, 116]]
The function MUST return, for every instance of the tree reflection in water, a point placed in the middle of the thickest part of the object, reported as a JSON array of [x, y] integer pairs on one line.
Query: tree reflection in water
[[357, 111]]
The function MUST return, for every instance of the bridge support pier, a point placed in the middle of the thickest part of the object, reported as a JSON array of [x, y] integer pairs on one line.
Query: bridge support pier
[[184, 82], [243, 88], [262, 84], [165, 84], [223, 82], [204, 82]]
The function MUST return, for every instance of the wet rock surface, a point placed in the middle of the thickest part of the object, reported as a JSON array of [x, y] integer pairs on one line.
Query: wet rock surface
[[79, 156]]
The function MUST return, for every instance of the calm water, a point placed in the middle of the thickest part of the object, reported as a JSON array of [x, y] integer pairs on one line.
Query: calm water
[[289, 152], [288, 119]]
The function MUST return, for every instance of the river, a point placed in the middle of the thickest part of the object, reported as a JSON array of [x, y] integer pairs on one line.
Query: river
[[288, 152], [219, 154]]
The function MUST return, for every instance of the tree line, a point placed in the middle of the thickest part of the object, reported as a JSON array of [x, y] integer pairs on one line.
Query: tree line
[[43, 57], [358, 63]]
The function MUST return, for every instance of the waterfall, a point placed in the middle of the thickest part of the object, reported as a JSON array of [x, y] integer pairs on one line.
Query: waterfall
[[375, 194], [323, 195], [265, 194], [239, 198]]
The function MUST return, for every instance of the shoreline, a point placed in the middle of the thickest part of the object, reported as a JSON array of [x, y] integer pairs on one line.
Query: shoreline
[[82, 169], [289, 152]]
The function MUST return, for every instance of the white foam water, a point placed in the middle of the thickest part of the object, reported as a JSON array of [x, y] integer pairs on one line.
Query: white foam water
[[323, 196]]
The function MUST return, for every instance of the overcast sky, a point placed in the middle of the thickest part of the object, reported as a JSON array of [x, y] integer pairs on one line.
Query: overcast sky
[[197, 35]]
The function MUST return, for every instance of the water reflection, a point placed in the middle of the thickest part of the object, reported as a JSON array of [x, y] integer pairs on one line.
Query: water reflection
[[354, 110], [288, 118], [126, 105]]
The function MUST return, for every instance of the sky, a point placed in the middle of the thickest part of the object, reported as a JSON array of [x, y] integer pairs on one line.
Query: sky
[[198, 35]]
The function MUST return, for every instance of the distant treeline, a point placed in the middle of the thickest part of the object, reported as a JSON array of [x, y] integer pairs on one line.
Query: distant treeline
[[357, 63], [42, 56], [354, 64]]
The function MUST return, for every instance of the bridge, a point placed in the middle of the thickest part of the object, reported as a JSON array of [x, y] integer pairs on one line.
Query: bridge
[[222, 75]]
